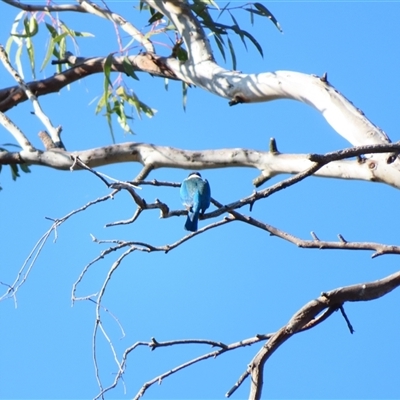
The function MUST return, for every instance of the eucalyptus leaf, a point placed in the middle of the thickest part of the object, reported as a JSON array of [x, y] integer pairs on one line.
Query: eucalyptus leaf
[[233, 55], [265, 12], [128, 68]]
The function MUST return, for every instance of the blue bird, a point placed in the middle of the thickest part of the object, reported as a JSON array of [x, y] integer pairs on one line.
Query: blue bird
[[196, 195]]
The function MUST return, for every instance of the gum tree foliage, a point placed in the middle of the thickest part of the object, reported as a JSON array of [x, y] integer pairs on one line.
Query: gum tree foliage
[[194, 31]]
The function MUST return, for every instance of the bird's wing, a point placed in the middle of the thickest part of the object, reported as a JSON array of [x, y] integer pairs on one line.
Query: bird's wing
[[187, 192]]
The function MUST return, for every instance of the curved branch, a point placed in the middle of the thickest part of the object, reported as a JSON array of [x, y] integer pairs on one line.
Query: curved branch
[[23, 141], [200, 69], [196, 41], [333, 298], [149, 63]]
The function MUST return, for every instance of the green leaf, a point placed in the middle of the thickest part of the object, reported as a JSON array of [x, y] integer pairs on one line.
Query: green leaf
[[48, 55], [31, 28], [233, 55], [9, 42], [223, 9], [148, 111], [237, 30], [18, 61], [100, 104], [109, 121], [52, 30], [265, 12], [73, 33], [121, 92], [156, 17], [14, 27], [182, 54], [14, 172], [31, 55], [201, 10], [59, 38], [83, 34], [107, 70], [251, 15], [25, 168], [215, 27], [56, 39], [122, 118], [211, 2], [63, 48], [128, 68], [33, 25], [254, 41], [140, 107], [220, 45]]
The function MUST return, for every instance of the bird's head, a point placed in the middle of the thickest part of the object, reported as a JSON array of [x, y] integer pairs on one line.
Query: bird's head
[[194, 174]]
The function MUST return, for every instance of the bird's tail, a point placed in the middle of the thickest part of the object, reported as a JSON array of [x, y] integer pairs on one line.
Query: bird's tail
[[191, 221]]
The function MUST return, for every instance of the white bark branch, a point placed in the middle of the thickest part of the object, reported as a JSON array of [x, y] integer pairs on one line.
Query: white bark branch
[[130, 29], [53, 132], [268, 163], [47, 8], [21, 139], [201, 70], [91, 8], [194, 37]]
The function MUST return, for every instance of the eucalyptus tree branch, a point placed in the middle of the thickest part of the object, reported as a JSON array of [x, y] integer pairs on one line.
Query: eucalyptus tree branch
[[54, 132], [334, 298], [130, 29], [149, 63], [189, 27], [90, 8], [342, 244], [201, 70], [46, 8], [22, 140], [268, 163]]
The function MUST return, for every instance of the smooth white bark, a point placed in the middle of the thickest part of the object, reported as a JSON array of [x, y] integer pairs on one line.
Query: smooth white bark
[[268, 163]]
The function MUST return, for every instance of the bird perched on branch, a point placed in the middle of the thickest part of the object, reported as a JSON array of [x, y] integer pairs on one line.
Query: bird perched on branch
[[196, 195]]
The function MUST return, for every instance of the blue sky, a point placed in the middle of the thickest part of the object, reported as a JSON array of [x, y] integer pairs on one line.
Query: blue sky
[[229, 283]]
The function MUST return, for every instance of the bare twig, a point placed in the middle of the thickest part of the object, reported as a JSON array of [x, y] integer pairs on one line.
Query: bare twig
[[24, 270], [334, 298], [155, 344]]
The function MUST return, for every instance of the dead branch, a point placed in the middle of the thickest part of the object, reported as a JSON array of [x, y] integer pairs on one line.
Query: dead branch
[[334, 298]]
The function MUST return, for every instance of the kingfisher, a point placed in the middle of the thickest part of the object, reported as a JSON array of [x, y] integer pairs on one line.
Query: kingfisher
[[195, 195]]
